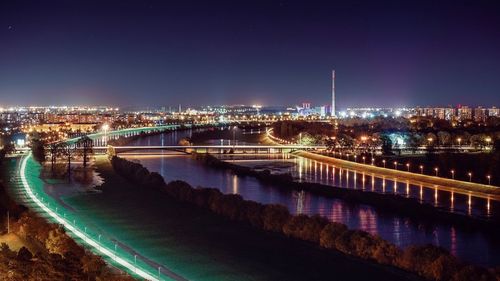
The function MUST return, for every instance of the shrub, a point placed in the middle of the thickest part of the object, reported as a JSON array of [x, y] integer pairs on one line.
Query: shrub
[[329, 234], [252, 212], [305, 227], [420, 258], [475, 273], [274, 217]]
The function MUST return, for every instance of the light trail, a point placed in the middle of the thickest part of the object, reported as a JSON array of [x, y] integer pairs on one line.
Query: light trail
[[75, 231]]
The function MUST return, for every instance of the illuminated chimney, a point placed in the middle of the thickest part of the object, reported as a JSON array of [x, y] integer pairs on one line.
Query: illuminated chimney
[[333, 94]]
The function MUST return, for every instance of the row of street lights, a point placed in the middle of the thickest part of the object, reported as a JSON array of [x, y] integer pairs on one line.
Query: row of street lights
[[408, 165], [421, 167], [87, 237]]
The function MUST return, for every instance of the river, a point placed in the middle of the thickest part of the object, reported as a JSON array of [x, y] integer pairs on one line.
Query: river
[[478, 247]]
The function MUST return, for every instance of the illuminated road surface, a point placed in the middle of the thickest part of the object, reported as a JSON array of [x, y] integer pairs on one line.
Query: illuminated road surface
[[98, 244], [440, 183], [89, 241]]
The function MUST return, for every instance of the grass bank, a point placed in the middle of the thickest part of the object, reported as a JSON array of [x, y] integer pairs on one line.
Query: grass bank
[[274, 256]]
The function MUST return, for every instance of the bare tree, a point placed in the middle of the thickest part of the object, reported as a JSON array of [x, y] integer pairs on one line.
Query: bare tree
[[67, 150], [86, 144], [54, 150]]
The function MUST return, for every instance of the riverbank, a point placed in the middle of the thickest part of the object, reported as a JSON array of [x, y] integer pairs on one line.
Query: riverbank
[[475, 189], [275, 256], [429, 261], [452, 185], [409, 207]]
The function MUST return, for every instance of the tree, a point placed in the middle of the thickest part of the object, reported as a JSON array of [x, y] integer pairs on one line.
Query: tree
[[496, 146], [444, 137], [24, 254], [330, 233], [386, 145], [478, 141], [475, 273], [67, 150], [330, 144], [274, 217], [58, 242], [54, 150], [307, 139], [92, 265], [414, 141], [38, 149], [86, 144]]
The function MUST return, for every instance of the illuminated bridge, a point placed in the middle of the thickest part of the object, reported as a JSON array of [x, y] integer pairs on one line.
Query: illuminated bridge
[[214, 149]]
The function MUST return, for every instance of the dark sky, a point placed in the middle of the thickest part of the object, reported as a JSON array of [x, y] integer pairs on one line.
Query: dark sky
[[271, 52]]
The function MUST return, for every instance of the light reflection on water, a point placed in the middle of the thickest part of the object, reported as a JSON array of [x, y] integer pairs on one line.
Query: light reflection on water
[[475, 246], [312, 171]]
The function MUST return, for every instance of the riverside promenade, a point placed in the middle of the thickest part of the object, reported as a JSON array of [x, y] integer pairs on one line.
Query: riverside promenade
[[440, 183], [451, 185]]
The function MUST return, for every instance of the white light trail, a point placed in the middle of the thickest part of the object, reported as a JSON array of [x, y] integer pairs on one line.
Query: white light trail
[[85, 238]]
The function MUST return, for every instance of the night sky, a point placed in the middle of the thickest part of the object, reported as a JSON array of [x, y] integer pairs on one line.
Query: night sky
[[269, 52]]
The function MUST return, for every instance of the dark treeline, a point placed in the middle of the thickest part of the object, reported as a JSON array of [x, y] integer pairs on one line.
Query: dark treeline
[[392, 203], [361, 126], [347, 133], [428, 261]]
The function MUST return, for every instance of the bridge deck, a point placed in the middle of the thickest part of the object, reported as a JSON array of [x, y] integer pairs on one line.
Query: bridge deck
[[216, 147]]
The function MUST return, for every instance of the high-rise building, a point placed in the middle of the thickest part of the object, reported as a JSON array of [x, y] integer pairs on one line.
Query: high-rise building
[[494, 111], [464, 113], [480, 114], [333, 113]]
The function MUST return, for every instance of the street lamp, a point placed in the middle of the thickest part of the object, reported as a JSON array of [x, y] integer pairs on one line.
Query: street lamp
[[489, 179], [105, 128], [470, 176], [459, 141], [234, 135], [373, 161], [452, 174], [355, 156], [364, 162], [408, 167], [383, 161], [395, 165], [135, 263], [488, 140], [422, 169], [436, 169]]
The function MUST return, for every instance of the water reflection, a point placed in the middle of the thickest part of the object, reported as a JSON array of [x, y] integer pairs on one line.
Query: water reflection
[[313, 171], [469, 245]]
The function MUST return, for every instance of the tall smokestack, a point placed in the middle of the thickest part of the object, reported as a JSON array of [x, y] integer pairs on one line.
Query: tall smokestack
[[333, 114]]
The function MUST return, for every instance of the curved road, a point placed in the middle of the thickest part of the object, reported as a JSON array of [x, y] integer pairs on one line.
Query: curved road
[[32, 186]]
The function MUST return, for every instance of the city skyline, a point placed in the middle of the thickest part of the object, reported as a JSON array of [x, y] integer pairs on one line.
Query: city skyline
[[249, 140], [148, 53]]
